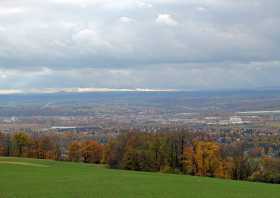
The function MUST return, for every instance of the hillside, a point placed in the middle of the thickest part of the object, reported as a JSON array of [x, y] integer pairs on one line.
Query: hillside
[[42, 178]]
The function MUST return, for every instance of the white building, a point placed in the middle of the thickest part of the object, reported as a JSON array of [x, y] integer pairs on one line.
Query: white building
[[235, 120]]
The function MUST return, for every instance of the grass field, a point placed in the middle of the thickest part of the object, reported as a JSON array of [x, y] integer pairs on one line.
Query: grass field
[[22, 178]]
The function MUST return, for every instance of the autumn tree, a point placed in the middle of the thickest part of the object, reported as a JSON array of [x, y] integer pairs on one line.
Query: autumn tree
[[2, 144], [268, 171], [202, 159], [114, 151], [74, 151], [241, 165], [20, 143], [189, 165], [91, 152]]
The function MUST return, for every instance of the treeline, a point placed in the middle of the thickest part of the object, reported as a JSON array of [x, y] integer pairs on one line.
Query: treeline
[[189, 154], [50, 146], [36, 146], [179, 152]]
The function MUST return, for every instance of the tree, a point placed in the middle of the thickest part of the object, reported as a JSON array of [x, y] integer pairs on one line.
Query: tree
[[20, 143], [202, 159], [269, 171], [91, 152], [2, 144], [189, 161], [114, 151], [74, 151]]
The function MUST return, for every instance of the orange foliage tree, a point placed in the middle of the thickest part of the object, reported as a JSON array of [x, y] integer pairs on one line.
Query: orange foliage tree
[[91, 152]]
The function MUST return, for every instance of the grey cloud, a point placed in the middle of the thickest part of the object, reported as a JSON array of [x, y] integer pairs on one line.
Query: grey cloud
[[178, 76], [188, 43]]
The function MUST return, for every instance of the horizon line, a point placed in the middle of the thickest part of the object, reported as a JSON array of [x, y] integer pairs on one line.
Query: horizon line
[[80, 90], [107, 90]]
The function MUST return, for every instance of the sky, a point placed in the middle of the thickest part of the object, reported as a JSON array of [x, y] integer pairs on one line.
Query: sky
[[145, 44]]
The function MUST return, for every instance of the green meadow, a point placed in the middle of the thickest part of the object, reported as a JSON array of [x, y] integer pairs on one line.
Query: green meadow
[[30, 178]]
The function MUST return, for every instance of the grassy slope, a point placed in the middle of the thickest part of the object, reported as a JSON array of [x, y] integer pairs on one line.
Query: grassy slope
[[38, 178]]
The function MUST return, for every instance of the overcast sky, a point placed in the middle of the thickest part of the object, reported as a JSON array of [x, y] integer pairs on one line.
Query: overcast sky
[[156, 44]]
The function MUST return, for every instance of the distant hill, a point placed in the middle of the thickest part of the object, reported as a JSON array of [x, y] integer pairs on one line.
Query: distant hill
[[71, 104]]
